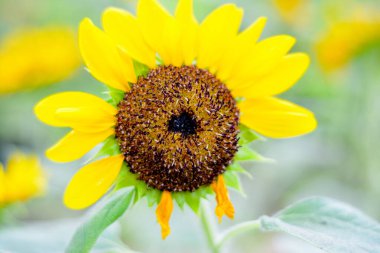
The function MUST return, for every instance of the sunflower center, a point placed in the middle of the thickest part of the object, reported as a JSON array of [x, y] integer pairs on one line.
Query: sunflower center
[[184, 123], [177, 128]]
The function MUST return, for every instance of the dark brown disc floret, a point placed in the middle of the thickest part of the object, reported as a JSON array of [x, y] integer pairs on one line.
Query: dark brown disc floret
[[177, 128]]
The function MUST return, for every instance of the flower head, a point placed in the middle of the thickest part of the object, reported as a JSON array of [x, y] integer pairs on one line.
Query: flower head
[[183, 94], [22, 179], [35, 57]]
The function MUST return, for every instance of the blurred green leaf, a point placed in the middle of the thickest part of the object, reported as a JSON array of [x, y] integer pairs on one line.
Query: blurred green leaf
[[330, 225], [87, 234]]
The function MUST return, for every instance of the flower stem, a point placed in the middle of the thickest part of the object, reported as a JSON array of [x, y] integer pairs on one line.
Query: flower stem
[[209, 227], [237, 230]]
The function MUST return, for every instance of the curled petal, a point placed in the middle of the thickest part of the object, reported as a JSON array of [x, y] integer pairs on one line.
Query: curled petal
[[163, 212], [224, 204]]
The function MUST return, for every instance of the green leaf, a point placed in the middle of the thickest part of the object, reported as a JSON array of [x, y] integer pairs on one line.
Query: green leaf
[[246, 135], [330, 225], [87, 234]]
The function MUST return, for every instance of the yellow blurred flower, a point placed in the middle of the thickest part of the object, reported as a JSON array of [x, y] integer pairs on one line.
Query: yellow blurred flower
[[344, 39], [23, 179], [292, 11], [35, 57]]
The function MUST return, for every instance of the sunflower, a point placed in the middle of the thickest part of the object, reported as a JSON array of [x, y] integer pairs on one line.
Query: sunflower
[[184, 98], [22, 179], [34, 57]]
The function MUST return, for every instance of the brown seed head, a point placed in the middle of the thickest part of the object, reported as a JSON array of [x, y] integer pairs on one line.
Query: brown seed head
[[177, 128]]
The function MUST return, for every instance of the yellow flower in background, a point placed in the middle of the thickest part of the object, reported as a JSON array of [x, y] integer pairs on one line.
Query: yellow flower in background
[[36, 57], [292, 11], [186, 89], [344, 39], [22, 179]]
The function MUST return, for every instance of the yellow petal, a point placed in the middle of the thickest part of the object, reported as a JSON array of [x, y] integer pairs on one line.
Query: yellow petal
[[216, 33], [75, 145], [189, 30], [103, 59], [78, 110], [170, 50], [123, 27], [242, 44], [224, 205], [276, 118], [163, 212], [282, 78], [260, 60], [152, 18], [92, 181]]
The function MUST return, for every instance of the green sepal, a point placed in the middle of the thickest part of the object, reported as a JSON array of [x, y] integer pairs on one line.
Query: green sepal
[[179, 198], [110, 148], [140, 69], [153, 197], [232, 180], [235, 167], [246, 154], [193, 200], [246, 135], [116, 96]]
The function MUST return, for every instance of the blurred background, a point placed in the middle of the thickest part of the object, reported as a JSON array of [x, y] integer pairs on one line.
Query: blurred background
[[39, 56]]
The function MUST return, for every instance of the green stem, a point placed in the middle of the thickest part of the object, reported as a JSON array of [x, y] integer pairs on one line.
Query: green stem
[[237, 230], [209, 227]]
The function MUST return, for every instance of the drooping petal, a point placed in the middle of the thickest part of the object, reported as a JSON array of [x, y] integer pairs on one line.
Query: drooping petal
[[242, 44], [152, 18], [280, 79], [92, 181], [103, 59], [224, 205], [189, 30], [123, 27], [260, 60], [276, 118], [216, 33], [163, 213], [78, 110], [75, 145]]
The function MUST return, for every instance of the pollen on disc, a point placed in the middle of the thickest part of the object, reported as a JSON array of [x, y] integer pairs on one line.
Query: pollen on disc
[[177, 128]]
